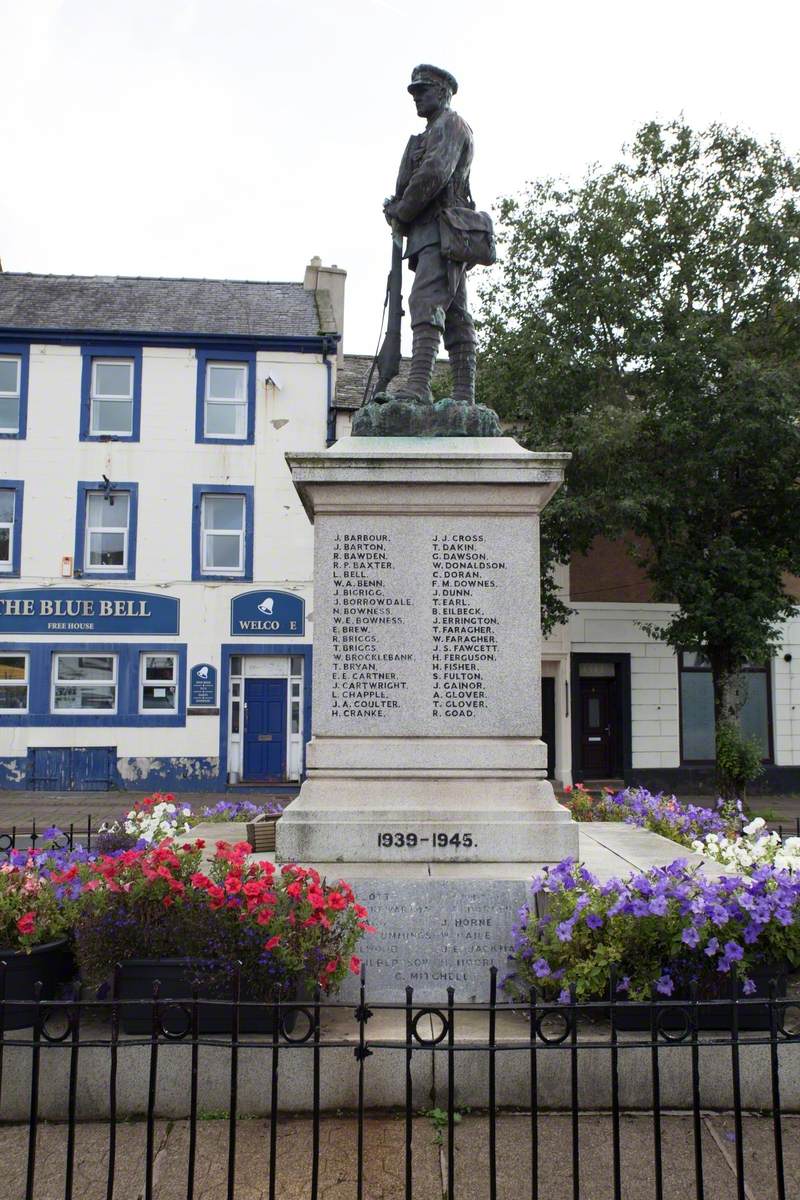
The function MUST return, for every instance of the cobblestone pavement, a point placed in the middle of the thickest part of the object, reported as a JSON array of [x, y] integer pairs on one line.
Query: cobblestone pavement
[[384, 1159]]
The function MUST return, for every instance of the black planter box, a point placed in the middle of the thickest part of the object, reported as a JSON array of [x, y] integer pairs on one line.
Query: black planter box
[[176, 977], [49, 964], [676, 1017]]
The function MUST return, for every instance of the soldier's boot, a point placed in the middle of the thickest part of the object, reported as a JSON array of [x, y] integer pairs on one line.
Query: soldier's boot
[[462, 366], [424, 348]]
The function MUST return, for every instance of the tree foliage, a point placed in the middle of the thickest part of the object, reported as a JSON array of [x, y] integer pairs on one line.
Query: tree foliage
[[648, 320]]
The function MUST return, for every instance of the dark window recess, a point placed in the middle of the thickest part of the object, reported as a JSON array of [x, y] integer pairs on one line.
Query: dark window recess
[[697, 709], [549, 723]]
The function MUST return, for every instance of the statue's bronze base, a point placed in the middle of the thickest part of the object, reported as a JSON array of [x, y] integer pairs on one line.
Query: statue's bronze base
[[408, 418]]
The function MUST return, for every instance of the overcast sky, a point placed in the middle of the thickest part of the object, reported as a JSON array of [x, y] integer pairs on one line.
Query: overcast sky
[[237, 138]]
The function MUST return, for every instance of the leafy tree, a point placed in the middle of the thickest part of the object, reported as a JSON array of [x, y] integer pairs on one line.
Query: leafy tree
[[648, 320]]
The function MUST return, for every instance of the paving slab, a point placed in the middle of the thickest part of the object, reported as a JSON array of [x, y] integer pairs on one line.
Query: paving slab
[[595, 1172], [758, 1149], [384, 1158], [90, 1163]]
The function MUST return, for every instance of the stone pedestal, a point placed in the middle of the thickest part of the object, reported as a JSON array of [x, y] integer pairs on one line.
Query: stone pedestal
[[427, 689]]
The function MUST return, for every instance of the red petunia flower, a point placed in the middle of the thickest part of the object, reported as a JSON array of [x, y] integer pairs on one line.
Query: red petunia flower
[[27, 923]]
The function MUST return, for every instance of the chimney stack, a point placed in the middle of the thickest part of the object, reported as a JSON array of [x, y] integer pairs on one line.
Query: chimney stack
[[327, 283]]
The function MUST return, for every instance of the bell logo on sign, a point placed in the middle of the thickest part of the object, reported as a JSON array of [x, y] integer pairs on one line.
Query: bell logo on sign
[[271, 614]]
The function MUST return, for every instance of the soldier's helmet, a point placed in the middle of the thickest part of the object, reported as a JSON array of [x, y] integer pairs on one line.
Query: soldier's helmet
[[425, 74]]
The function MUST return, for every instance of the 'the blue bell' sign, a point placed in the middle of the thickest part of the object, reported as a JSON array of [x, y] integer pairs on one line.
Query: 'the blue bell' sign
[[86, 611], [268, 613]]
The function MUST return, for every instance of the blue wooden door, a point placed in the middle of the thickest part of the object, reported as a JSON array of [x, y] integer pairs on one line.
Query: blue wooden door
[[73, 768], [265, 729]]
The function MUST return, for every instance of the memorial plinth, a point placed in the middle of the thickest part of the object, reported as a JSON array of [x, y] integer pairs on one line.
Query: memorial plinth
[[426, 703]]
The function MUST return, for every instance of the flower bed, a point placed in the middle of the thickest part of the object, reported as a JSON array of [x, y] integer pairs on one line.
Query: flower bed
[[279, 931], [656, 811], [756, 847], [158, 816], [666, 928]]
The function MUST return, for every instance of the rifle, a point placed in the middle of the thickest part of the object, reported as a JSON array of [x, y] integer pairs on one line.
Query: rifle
[[387, 359]]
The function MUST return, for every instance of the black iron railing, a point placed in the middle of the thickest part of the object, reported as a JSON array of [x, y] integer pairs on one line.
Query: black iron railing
[[24, 837], [74, 1062]]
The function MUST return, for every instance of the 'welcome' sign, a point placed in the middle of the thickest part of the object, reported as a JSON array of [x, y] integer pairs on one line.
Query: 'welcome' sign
[[266, 612], [86, 611]]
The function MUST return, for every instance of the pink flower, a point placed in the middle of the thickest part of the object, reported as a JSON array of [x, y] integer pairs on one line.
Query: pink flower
[[27, 923], [272, 943]]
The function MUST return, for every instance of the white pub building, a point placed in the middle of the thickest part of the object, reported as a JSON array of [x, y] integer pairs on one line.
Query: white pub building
[[155, 561]]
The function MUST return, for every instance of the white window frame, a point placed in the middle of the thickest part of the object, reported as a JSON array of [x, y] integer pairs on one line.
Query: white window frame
[[18, 683], [88, 568], [153, 683], [93, 396], [82, 683], [208, 399], [205, 533], [16, 395], [7, 564]]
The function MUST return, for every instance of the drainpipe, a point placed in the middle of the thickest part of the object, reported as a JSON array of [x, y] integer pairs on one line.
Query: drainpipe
[[330, 348]]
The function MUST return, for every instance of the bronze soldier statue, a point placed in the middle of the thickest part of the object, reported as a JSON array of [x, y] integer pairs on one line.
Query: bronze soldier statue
[[433, 207]]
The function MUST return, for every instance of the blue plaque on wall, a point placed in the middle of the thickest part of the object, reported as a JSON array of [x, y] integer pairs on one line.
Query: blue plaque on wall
[[99, 611], [203, 686], [268, 613]]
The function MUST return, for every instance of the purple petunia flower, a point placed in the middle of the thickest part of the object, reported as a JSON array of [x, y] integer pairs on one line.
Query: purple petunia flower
[[748, 987], [665, 985], [690, 936], [564, 931], [564, 996], [541, 968], [594, 920]]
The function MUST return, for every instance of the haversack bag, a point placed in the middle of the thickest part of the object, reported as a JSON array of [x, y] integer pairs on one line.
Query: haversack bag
[[467, 237]]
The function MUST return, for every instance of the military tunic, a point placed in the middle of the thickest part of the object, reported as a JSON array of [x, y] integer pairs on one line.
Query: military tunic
[[434, 174]]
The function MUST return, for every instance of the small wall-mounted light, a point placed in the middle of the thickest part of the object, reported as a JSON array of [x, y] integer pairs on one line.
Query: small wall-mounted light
[[787, 658], [66, 566], [273, 379]]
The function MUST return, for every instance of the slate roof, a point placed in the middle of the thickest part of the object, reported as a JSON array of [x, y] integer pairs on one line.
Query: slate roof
[[123, 303], [351, 378]]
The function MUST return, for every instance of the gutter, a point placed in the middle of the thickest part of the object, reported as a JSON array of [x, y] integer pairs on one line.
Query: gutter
[[297, 344]]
